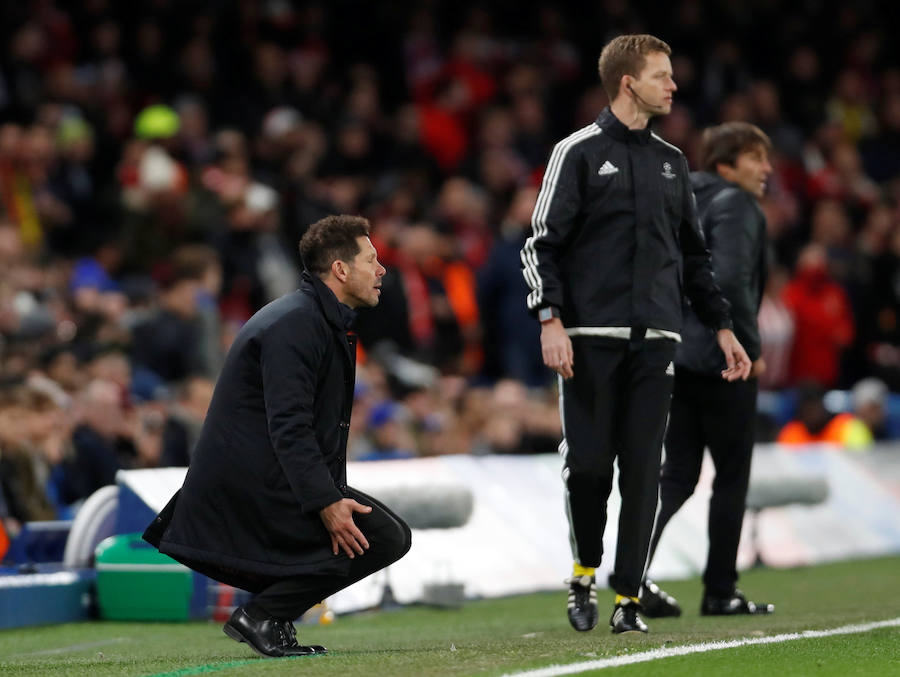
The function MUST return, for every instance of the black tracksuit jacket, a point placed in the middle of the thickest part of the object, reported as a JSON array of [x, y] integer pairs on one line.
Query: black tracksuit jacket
[[615, 240], [735, 230]]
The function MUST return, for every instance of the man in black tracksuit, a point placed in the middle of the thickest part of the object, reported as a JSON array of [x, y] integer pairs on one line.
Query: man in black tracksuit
[[615, 245], [706, 411]]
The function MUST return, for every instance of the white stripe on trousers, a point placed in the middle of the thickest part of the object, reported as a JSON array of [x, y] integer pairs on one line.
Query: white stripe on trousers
[[564, 452]]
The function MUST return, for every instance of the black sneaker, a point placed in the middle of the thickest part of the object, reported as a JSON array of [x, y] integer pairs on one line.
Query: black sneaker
[[625, 618], [656, 602], [733, 605], [582, 603]]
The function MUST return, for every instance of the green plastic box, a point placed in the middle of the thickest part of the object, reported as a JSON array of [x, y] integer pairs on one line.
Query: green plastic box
[[136, 582]]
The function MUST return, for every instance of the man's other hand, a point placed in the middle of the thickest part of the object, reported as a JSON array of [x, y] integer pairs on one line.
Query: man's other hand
[[735, 356], [556, 348], [345, 535]]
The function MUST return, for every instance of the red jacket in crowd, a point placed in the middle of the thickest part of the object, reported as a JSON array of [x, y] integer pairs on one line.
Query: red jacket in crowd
[[823, 325]]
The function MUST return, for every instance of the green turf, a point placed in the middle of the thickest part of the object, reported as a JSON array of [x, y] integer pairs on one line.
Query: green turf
[[496, 636], [874, 653]]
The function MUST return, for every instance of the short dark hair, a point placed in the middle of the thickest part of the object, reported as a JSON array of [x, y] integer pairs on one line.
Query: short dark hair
[[188, 262], [723, 143], [331, 239], [626, 55], [193, 260]]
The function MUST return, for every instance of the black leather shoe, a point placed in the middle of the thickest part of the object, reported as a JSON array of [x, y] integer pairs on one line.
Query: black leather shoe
[[269, 638], [292, 639], [656, 602], [732, 605], [625, 619]]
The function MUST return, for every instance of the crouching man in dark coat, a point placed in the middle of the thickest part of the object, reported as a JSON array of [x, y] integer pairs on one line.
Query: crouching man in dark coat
[[265, 505]]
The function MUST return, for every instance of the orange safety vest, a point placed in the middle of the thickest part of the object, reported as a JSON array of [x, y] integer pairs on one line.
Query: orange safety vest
[[842, 430]]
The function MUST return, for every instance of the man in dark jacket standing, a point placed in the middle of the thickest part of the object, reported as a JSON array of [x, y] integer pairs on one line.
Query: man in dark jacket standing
[[265, 505], [706, 411], [615, 244]]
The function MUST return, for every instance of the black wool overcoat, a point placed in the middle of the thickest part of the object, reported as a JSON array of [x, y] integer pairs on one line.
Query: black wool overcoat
[[272, 451]]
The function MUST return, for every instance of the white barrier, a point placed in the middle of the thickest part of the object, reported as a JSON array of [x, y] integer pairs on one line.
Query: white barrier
[[516, 539]]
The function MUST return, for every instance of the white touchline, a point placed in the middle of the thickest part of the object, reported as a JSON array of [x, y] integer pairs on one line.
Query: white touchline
[[656, 654], [71, 647]]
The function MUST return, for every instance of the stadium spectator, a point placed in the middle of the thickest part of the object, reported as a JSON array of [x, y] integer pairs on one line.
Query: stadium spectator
[[203, 262], [869, 398], [183, 421], [389, 433], [815, 423], [100, 445], [168, 341], [438, 416], [511, 339], [516, 422], [441, 300], [881, 151], [765, 102], [850, 106], [776, 331], [880, 324], [31, 447], [823, 320]]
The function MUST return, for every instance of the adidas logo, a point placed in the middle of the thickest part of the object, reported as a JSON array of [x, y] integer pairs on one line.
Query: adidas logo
[[670, 370], [667, 171], [607, 168]]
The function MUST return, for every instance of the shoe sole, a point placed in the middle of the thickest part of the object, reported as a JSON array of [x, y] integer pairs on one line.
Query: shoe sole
[[587, 629], [629, 632]]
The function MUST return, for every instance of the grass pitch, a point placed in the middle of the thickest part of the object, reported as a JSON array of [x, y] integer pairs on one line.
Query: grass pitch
[[494, 637]]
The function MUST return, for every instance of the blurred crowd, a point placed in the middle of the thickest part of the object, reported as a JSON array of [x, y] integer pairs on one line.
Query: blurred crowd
[[159, 161]]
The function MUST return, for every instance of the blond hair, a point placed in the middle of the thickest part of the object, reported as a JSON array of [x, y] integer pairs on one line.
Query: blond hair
[[626, 55]]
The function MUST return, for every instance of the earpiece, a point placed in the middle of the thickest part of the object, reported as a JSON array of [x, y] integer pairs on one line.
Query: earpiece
[[641, 99]]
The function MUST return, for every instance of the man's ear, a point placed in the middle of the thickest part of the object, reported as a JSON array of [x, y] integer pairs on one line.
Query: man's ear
[[725, 170], [625, 85], [340, 270]]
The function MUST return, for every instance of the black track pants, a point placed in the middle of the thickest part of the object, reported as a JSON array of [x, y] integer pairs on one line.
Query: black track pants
[[615, 407], [710, 412]]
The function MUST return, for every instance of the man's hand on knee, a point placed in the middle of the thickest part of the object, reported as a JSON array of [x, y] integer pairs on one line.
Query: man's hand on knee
[[345, 535]]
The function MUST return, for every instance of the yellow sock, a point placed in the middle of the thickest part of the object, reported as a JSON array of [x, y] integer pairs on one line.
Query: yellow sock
[[578, 570], [619, 598]]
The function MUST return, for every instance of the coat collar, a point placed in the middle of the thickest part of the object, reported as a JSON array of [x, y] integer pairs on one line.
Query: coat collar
[[611, 125], [339, 315], [703, 180]]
